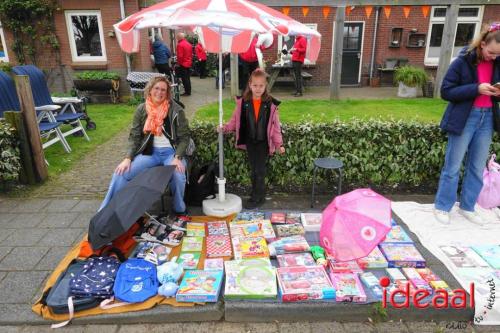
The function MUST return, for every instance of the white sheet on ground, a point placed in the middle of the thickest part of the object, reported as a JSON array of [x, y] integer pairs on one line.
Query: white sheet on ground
[[420, 220]]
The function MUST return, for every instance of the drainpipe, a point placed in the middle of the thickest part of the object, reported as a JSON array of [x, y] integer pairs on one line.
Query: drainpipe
[[372, 61], [122, 12]]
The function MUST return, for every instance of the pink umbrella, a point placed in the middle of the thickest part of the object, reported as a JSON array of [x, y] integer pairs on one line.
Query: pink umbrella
[[354, 223], [222, 26]]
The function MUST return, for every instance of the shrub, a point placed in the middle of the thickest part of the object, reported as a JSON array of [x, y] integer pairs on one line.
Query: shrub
[[97, 75], [411, 76], [10, 160], [380, 154]]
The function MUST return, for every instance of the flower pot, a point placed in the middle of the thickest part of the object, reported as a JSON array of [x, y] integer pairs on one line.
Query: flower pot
[[406, 92]]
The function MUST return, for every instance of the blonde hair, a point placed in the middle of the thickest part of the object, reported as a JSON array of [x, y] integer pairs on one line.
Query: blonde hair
[[153, 82], [489, 33]]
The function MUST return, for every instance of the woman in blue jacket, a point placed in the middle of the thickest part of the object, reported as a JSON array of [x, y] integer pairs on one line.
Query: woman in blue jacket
[[470, 118]]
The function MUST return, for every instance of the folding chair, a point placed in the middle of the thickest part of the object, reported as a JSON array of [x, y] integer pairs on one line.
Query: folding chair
[[47, 123], [43, 100]]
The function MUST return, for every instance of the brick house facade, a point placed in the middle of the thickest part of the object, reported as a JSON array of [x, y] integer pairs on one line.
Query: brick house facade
[[419, 52]]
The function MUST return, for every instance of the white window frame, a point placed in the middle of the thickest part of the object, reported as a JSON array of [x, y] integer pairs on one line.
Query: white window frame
[[433, 61], [4, 45], [313, 26], [72, 43]]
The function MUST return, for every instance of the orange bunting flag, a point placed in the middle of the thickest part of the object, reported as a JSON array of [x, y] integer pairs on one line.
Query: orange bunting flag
[[387, 11], [326, 11], [305, 11], [426, 10], [406, 11], [285, 10], [368, 11], [348, 10]]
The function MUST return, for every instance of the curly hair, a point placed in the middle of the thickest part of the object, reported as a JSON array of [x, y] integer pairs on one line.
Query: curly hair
[[153, 82]]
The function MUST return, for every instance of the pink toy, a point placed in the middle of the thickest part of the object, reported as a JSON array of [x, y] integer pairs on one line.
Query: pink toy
[[354, 223], [490, 194]]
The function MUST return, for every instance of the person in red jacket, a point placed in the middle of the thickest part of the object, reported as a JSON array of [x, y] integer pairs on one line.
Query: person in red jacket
[[201, 54], [249, 63], [298, 55], [185, 60]]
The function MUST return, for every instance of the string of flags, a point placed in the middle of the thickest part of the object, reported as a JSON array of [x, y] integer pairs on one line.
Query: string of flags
[[368, 10]]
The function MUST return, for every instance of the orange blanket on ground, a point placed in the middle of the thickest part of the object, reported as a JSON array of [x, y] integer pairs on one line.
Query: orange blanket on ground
[[46, 312]]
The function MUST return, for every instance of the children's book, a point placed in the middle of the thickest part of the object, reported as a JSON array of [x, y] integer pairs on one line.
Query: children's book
[[463, 257], [395, 274], [255, 228], [217, 228], [219, 246], [250, 216], [348, 287], [195, 229], [214, 264], [371, 283], [428, 275], [292, 218], [402, 255], [350, 266], [311, 221], [416, 280], [152, 252], [291, 244], [200, 286], [250, 247], [441, 285], [397, 235], [373, 260], [304, 283], [192, 244], [189, 260], [278, 218], [293, 229], [490, 253], [250, 279], [295, 259]]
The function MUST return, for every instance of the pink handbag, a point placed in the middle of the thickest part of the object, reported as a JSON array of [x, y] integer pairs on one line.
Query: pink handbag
[[490, 193]]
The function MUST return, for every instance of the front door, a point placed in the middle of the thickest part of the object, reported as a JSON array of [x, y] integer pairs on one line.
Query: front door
[[351, 53]]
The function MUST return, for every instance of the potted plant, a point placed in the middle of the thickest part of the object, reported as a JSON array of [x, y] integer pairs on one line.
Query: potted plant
[[98, 81], [409, 78]]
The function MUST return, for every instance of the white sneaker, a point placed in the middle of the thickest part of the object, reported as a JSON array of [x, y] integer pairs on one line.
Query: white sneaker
[[442, 216], [472, 217]]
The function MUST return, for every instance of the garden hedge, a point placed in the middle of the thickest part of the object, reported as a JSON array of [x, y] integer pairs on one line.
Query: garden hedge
[[396, 155], [10, 160]]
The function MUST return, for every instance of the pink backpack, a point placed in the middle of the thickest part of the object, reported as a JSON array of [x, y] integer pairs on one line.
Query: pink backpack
[[490, 193]]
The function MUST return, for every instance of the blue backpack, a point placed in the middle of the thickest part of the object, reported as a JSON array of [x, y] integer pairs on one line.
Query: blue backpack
[[95, 278], [136, 281]]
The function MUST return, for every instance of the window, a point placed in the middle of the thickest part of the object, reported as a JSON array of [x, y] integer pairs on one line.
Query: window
[[86, 37], [3, 46], [468, 26], [290, 40]]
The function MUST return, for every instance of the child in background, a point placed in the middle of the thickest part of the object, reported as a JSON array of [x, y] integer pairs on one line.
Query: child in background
[[255, 121]]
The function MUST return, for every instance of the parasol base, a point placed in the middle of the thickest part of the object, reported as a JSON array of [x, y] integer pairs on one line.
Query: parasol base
[[215, 207]]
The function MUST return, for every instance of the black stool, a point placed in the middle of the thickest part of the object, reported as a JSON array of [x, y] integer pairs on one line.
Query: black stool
[[327, 163]]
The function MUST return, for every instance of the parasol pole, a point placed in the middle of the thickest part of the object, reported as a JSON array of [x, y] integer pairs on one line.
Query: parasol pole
[[221, 181]]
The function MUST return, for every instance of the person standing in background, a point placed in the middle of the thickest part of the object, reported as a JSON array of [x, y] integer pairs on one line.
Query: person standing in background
[[249, 63], [185, 61], [161, 54], [201, 54], [298, 55]]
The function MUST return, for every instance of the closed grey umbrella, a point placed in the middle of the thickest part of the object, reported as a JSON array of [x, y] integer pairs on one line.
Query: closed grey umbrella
[[128, 205]]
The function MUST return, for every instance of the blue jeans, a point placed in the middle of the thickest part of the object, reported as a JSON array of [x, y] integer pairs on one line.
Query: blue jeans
[[160, 156], [475, 141]]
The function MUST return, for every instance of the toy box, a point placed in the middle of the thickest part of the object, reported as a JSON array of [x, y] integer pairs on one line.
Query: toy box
[[214, 264], [189, 260], [402, 255], [219, 246], [348, 287], [200, 286], [373, 260], [311, 221], [195, 229], [250, 247], [250, 279], [304, 283], [295, 259]]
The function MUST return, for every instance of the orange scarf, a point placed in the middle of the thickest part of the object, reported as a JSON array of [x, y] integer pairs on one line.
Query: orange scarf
[[156, 116]]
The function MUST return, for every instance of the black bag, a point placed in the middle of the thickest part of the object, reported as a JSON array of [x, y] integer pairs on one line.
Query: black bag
[[57, 296], [201, 184]]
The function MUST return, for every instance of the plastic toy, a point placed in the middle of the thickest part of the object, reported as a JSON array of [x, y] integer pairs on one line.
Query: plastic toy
[[169, 271], [318, 254]]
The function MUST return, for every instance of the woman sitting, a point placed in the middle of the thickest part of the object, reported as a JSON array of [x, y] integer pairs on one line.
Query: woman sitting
[[159, 136]]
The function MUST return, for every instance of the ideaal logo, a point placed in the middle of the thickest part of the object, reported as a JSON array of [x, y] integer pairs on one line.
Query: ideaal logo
[[440, 299]]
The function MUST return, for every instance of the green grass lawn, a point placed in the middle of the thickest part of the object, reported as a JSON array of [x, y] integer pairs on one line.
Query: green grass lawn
[[110, 119], [296, 111]]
